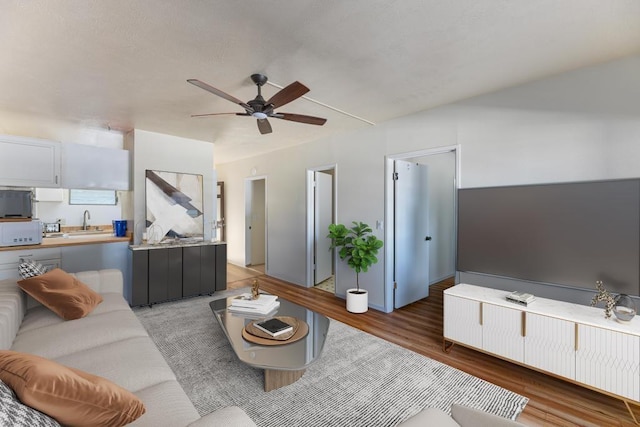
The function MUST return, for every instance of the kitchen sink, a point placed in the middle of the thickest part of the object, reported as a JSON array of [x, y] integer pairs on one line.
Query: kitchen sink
[[88, 235], [81, 234]]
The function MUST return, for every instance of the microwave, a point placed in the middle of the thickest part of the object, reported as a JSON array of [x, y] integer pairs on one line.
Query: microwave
[[16, 204]]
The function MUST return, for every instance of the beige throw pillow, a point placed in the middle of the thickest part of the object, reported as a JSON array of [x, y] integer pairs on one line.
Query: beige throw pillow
[[62, 293], [71, 396]]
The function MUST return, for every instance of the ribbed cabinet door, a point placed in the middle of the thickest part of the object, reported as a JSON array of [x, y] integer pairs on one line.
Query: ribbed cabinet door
[[462, 321], [550, 345], [502, 332], [609, 360]]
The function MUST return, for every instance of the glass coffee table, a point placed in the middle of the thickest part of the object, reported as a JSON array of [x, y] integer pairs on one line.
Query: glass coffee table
[[282, 364]]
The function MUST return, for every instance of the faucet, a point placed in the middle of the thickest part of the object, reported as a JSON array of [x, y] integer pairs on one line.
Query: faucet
[[85, 216]]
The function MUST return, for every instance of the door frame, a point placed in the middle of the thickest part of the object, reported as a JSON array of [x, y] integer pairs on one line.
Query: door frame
[[389, 245], [248, 183], [311, 214]]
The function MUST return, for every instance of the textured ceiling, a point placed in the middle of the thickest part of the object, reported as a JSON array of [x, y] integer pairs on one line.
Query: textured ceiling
[[124, 63]]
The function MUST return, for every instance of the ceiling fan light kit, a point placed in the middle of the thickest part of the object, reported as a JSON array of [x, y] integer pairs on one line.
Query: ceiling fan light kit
[[261, 109]]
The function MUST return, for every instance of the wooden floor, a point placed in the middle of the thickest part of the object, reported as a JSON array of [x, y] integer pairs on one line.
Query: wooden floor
[[418, 327]]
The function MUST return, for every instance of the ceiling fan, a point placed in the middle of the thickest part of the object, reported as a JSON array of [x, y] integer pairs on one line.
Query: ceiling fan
[[261, 109]]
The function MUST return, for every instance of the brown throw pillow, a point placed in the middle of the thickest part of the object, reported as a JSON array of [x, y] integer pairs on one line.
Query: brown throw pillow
[[71, 396], [62, 293]]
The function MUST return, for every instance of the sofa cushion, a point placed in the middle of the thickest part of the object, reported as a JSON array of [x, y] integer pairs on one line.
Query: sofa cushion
[[64, 294], [167, 405], [430, 417], [231, 416], [71, 396], [76, 335], [40, 316], [469, 417], [134, 363], [14, 413]]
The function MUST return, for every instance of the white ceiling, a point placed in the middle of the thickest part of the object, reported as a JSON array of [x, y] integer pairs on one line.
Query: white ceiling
[[124, 63]]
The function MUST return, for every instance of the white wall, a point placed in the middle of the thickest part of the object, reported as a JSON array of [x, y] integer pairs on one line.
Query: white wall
[[34, 126], [565, 128], [150, 150]]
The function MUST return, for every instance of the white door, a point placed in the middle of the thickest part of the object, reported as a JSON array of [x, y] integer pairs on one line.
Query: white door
[[411, 229], [323, 216]]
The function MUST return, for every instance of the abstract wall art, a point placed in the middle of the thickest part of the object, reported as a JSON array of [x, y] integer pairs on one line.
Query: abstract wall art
[[174, 205]]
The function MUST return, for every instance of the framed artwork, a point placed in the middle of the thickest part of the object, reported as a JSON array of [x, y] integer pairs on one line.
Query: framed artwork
[[174, 205]]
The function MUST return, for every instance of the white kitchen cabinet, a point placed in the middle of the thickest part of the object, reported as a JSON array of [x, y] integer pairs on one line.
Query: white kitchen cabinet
[[29, 162], [609, 360], [90, 167], [462, 321], [550, 345], [49, 195], [502, 332]]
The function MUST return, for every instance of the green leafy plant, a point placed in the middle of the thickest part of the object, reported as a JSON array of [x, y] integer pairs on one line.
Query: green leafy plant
[[357, 245]]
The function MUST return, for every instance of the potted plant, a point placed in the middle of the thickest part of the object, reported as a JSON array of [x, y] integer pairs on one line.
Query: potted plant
[[359, 247]]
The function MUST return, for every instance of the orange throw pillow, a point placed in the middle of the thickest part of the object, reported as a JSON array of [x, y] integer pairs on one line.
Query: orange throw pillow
[[71, 396], [62, 293]]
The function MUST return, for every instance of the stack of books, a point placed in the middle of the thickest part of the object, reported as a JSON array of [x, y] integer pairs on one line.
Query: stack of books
[[263, 306]]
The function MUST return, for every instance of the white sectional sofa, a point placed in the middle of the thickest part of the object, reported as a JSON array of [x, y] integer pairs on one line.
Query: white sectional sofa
[[110, 342]]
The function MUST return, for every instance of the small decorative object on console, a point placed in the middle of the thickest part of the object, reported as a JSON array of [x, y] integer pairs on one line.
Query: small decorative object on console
[[624, 308], [603, 295], [521, 298]]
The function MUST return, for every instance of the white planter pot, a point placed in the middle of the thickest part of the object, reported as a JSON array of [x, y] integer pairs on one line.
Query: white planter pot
[[357, 302]]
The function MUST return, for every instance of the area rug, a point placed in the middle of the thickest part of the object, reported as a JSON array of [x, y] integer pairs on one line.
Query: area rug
[[360, 380]]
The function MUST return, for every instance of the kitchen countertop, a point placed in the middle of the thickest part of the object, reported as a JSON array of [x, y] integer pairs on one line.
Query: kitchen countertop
[[174, 244], [57, 242]]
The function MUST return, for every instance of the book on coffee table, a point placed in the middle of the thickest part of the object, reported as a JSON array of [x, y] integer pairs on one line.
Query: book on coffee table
[[273, 327], [262, 311]]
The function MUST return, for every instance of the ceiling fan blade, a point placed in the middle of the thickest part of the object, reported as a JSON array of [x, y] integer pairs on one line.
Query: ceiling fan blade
[[264, 126], [218, 114], [310, 120], [294, 91], [215, 91]]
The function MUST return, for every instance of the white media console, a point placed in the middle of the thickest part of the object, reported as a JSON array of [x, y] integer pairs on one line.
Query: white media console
[[570, 341]]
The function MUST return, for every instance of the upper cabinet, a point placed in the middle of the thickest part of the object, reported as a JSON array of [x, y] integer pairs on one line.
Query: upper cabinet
[[29, 162], [90, 167]]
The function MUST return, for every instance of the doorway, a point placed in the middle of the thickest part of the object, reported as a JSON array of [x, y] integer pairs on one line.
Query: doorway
[[321, 211], [420, 207], [256, 223]]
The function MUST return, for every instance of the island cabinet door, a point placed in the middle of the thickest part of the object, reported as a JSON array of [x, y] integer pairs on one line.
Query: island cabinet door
[[165, 274], [463, 320], [208, 269], [221, 267], [192, 263], [503, 331], [139, 294], [608, 360], [550, 345]]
